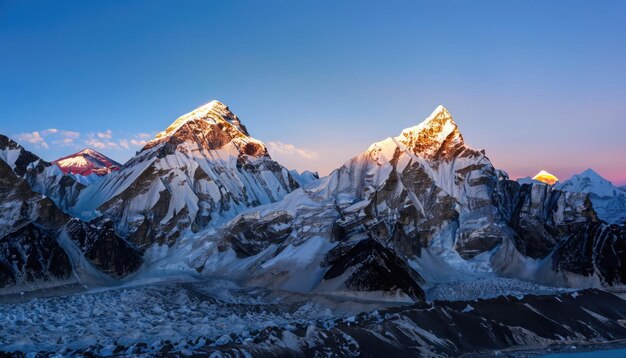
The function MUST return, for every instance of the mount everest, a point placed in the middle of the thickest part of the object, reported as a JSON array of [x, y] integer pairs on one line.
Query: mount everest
[[415, 217]]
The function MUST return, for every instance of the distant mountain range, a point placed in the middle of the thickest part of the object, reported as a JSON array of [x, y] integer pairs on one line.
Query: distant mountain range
[[410, 212]]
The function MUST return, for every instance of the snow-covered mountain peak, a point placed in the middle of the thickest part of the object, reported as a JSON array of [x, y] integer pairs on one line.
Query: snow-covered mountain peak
[[18, 158], [589, 181], [590, 173], [440, 110], [86, 162], [210, 127], [213, 112], [439, 121], [608, 200], [437, 136]]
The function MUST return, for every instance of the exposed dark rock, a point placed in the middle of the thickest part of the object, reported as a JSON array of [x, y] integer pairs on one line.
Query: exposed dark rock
[[32, 254], [249, 237], [103, 248], [595, 248], [372, 267]]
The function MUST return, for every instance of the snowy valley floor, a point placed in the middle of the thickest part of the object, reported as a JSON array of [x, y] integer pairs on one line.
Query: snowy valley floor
[[188, 316]]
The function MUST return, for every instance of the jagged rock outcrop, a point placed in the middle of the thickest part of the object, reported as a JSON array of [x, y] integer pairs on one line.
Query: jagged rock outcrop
[[543, 217], [103, 248]]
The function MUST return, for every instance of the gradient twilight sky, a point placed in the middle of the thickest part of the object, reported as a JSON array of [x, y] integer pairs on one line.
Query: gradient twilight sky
[[537, 84]]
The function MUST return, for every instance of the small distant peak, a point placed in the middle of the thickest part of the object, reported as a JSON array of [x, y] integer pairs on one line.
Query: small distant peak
[[590, 173], [545, 177], [86, 162]]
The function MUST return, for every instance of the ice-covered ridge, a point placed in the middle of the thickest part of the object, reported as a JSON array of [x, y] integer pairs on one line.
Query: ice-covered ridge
[[202, 170]]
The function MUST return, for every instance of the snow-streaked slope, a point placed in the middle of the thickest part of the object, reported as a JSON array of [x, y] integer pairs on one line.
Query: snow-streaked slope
[[201, 171], [608, 200], [87, 162]]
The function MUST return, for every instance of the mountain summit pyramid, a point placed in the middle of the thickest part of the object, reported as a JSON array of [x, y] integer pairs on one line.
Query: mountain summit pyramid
[[212, 125], [436, 136]]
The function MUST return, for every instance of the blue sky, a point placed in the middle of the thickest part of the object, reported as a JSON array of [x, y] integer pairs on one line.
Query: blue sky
[[537, 84]]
